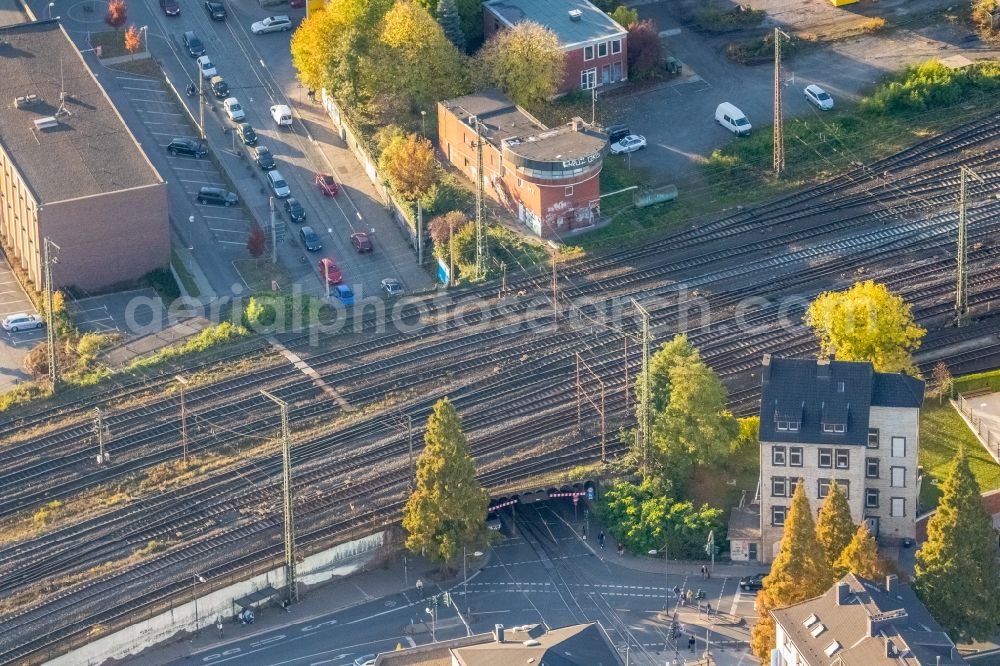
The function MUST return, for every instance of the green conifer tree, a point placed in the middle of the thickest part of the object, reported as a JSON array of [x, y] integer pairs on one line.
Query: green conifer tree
[[957, 576], [800, 571], [834, 528], [447, 508], [451, 23]]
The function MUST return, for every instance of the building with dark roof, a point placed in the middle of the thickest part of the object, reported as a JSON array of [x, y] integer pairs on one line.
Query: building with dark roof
[[72, 171], [858, 622], [549, 178], [596, 47], [824, 422], [576, 645]]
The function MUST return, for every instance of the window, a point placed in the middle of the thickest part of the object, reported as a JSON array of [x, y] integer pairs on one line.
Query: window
[[843, 458], [871, 468], [588, 52], [778, 456], [871, 498], [602, 49], [898, 447], [616, 46], [831, 649], [834, 427], [520, 183], [792, 426], [872, 438], [588, 78], [898, 509], [826, 457], [568, 190], [795, 456], [845, 487], [778, 515], [822, 488], [810, 621], [792, 485], [897, 477], [778, 486]]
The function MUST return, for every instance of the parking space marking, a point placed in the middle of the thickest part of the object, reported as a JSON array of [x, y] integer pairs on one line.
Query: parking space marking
[[161, 113], [204, 182], [226, 219], [160, 90], [195, 170], [230, 242], [129, 78], [162, 133], [228, 231]]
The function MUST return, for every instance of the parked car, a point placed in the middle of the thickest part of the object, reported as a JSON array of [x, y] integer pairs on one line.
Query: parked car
[[219, 87], [247, 134], [263, 157], [278, 184], [271, 24], [217, 196], [754, 582], [310, 239], [216, 10], [734, 120], [818, 97], [186, 146], [193, 45], [329, 271], [616, 132], [326, 184], [233, 109], [344, 294], [21, 321], [206, 67], [170, 7], [367, 660], [281, 114], [361, 242], [296, 213], [628, 144], [392, 287]]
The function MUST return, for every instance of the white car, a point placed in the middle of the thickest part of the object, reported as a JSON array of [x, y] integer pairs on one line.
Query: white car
[[392, 287], [818, 97], [629, 144], [271, 24], [21, 321], [206, 67], [233, 109], [281, 114]]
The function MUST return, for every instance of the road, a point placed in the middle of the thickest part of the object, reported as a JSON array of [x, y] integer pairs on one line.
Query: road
[[541, 572]]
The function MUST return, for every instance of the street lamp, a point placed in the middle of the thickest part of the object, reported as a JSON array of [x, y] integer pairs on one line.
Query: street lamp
[[145, 37], [666, 574], [194, 593], [423, 122], [433, 614], [465, 574], [49, 9]]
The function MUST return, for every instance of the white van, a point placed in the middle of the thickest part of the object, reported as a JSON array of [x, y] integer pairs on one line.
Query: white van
[[732, 119], [281, 114]]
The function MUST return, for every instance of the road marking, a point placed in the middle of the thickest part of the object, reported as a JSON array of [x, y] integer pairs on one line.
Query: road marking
[[159, 90], [129, 78], [161, 113]]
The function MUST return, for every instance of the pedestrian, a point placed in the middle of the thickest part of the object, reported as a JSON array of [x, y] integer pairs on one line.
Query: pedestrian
[[621, 550], [677, 592], [691, 643], [600, 539], [420, 588]]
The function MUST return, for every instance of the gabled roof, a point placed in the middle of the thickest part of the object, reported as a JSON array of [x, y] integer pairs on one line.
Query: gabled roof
[[591, 26]]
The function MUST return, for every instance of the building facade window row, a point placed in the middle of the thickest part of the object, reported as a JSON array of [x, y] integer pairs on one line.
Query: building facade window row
[[602, 49]]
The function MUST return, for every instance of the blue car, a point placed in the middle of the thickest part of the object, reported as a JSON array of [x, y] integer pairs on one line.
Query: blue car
[[344, 294]]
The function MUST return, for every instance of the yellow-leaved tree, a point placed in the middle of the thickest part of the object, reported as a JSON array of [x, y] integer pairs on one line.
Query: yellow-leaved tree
[[834, 527], [526, 62]]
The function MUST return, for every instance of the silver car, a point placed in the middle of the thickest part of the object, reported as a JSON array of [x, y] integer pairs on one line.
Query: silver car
[[21, 322], [271, 24], [278, 184]]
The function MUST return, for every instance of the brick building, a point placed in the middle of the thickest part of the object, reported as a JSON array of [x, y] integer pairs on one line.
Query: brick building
[[70, 170], [549, 178], [824, 422], [596, 47]]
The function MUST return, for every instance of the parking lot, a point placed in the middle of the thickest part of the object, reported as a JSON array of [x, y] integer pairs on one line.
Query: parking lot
[[14, 346]]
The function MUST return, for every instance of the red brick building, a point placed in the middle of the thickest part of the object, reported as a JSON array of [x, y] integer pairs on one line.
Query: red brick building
[[549, 178], [596, 47]]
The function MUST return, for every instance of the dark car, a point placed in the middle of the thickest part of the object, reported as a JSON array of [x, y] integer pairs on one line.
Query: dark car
[[616, 133], [296, 213], [310, 239], [170, 7], [186, 146], [246, 134], [750, 583], [219, 87], [193, 44], [217, 197], [216, 10], [361, 242], [263, 157]]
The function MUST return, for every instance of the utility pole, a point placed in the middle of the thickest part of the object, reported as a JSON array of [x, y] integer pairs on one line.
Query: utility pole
[[286, 478], [274, 234], [420, 233], [962, 286], [409, 439], [625, 338], [184, 430], [555, 291], [593, 105], [50, 333], [201, 104], [100, 432], [480, 213], [451, 253], [779, 140], [581, 393], [644, 405]]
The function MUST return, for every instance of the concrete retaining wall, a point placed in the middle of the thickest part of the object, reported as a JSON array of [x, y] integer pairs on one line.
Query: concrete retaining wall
[[340, 560]]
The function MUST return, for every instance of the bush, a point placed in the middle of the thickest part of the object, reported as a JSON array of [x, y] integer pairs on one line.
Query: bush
[[45, 514], [22, 394], [761, 49], [931, 85], [737, 18], [211, 336], [162, 280]]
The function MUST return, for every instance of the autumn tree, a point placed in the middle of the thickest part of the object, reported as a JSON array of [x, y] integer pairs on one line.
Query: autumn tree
[[834, 527], [941, 380], [116, 14], [451, 23], [443, 226], [526, 62], [866, 323], [861, 557], [624, 16], [957, 576], [447, 508], [799, 571], [409, 166], [644, 49], [257, 241]]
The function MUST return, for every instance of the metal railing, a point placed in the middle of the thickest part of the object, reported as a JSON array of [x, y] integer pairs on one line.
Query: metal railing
[[989, 436]]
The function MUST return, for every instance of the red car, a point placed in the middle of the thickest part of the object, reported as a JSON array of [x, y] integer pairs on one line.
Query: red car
[[361, 242], [326, 184], [329, 270]]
